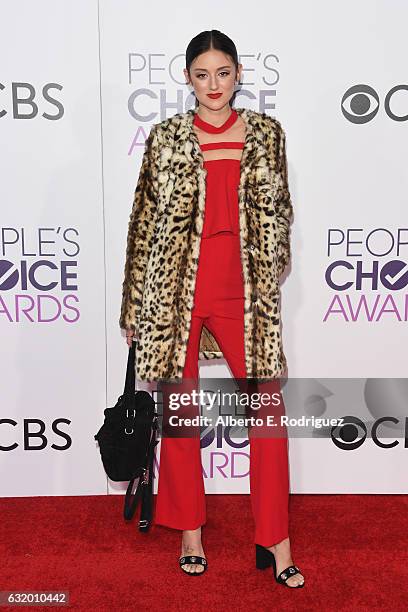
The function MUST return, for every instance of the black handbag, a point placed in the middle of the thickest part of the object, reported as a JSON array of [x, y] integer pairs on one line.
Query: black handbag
[[127, 440]]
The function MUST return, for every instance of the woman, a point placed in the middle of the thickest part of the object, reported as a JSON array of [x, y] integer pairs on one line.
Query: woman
[[208, 239]]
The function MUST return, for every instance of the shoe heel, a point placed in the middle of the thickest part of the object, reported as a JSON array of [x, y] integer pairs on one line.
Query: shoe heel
[[263, 557]]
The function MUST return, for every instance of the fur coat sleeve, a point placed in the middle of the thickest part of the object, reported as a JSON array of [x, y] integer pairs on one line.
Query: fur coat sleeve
[[284, 208], [140, 235]]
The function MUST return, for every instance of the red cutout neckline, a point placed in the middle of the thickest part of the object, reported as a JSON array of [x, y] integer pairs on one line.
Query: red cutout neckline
[[212, 129]]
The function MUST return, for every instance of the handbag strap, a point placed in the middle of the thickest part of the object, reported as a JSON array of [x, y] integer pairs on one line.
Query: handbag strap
[[130, 381], [147, 493], [144, 488], [131, 503]]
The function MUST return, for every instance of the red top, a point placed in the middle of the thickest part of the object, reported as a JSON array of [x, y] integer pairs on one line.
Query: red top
[[222, 180]]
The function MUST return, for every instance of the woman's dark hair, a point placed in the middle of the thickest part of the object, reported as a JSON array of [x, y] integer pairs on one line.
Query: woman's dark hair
[[210, 39]]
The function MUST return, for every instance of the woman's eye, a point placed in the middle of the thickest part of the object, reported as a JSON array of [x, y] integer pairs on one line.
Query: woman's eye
[[221, 73]]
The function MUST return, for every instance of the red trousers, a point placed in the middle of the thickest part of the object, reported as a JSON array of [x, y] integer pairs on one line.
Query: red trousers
[[180, 501]]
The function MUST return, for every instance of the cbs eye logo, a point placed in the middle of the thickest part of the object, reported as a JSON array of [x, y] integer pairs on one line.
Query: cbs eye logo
[[353, 433], [360, 103]]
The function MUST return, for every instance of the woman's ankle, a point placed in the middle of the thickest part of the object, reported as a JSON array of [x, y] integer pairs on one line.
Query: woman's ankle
[[191, 531], [283, 543], [191, 540]]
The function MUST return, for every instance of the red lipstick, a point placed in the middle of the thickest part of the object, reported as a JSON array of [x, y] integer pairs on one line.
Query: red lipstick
[[214, 95]]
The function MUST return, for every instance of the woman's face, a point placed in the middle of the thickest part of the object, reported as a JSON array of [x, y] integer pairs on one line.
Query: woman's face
[[213, 72]]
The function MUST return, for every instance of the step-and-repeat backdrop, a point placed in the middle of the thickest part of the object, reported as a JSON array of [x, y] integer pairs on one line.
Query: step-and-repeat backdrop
[[81, 83]]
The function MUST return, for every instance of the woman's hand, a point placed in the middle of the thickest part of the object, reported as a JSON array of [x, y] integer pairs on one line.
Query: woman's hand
[[129, 336]]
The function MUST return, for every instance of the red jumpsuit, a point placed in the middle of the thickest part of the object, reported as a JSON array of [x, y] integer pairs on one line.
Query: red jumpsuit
[[219, 305]]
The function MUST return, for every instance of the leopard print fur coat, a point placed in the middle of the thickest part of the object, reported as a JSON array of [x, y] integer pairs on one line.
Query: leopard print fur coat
[[163, 245]]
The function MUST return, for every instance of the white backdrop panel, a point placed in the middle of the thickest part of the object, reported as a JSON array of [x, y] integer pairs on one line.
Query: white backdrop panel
[[51, 178]]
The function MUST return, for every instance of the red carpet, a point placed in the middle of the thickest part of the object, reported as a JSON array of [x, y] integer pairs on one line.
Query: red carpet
[[351, 548]]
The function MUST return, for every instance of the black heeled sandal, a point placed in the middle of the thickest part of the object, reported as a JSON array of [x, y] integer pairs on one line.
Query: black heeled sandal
[[265, 558], [193, 559]]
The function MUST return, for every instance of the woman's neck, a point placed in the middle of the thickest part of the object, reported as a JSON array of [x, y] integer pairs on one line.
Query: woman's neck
[[217, 117]]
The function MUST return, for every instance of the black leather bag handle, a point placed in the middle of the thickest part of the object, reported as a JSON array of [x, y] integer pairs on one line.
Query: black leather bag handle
[[144, 488], [130, 381]]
